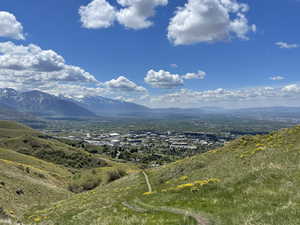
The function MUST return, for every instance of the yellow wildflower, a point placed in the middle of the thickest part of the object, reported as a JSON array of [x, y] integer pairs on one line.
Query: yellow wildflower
[[181, 186], [148, 193], [37, 219], [183, 178]]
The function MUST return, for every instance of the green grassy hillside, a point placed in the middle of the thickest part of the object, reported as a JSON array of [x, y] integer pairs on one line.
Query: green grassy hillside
[[5, 124], [9, 129], [53, 151], [251, 181], [55, 170], [26, 181], [25, 140], [39, 182], [35, 171]]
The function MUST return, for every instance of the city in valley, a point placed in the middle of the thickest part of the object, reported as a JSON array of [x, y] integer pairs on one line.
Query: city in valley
[[129, 141], [160, 145]]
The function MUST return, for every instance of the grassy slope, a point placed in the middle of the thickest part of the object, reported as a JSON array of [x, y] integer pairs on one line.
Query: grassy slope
[[5, 124], [259, 179], [9, 129], [23, 139], [53, 151], [41, 182], [53, 169]]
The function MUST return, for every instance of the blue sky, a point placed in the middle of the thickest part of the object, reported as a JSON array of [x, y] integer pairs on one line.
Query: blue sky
[[131, 56]]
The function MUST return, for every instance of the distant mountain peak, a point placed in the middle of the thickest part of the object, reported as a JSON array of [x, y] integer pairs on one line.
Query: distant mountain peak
[[8, 92], [41, 103], [102, 105]]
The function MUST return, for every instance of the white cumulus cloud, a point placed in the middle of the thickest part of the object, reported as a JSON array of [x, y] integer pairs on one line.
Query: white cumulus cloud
[[31, 63], [163, 79], [10, 27], [136, 13], [133, 14], [209, 21], [291, 88], [167, 80], [199, 75], [97, 14], [124, 85], [31, 57], [30, 67], [286, 45]]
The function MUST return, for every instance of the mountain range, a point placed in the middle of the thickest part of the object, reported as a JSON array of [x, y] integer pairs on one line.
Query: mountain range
[[18, 105], [106, 106], [8, 113], [45, 105]]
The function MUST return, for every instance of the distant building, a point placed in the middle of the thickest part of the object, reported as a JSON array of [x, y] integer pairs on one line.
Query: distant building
[[114, 134], [115, 142], [134, 141], [182, 146]]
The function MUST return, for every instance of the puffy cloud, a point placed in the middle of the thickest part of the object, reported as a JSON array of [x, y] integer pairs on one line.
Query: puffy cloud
[[277, 78], [199, 75], [10, 27], [163, 79], [209, 21], [136, 13], [32, 64], [31, 57], [286, 45], [167, 80], [124, 85], [292, 88], [30, 67], [97, 14]]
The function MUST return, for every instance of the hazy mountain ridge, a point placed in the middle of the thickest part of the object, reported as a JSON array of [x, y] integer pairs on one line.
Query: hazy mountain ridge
[[8, 113], [106, 106], [41, 104], [15, 105]]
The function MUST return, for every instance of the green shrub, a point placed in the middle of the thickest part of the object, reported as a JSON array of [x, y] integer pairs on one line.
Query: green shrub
[[116, 174], [83, 184]]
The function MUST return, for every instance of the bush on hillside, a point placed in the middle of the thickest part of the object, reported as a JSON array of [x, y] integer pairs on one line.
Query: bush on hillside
[[84, 184], [113, 175]]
